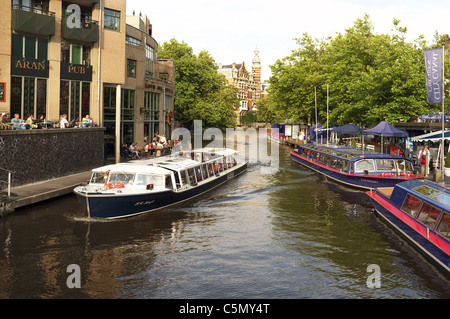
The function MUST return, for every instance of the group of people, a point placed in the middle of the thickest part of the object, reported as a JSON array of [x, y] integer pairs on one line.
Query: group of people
[[17, 123], [85, 122], [150, 149]]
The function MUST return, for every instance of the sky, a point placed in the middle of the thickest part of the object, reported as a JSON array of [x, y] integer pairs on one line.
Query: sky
[[231, 30]]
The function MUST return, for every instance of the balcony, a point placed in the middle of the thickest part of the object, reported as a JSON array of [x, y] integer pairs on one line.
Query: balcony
[[33, 20], [86, 32]]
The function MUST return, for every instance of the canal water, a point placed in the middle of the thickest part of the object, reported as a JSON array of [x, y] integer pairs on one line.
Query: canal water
[[274, 232]]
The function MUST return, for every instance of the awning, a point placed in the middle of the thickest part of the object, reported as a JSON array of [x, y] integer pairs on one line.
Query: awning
[[431, 137]]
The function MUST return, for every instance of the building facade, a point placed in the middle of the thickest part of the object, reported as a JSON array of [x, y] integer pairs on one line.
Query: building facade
[[248, 82], [81, 57]]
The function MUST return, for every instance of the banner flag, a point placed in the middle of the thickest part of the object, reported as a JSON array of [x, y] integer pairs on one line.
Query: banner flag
[[433, 67]]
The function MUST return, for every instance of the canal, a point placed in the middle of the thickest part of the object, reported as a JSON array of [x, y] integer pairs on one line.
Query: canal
[[274, 232]]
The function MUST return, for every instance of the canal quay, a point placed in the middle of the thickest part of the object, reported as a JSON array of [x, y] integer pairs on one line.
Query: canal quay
[[274, 232]]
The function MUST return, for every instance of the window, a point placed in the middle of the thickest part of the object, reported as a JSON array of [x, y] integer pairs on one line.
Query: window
[[131, 68], [364, 166], [112, 20], [28, 96], [76, 53], [149, 60], [429, 215], [444, 226], [385, 165], [146, 179], [133, 41], [29, 47], [164, 76], [411, 205], [183, 177]]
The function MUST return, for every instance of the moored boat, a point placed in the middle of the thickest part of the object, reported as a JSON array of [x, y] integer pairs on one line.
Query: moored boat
[[137, 187], [350, 167], [420, 211]]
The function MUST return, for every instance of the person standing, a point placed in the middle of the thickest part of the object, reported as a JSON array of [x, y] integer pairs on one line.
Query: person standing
[[424, 160]]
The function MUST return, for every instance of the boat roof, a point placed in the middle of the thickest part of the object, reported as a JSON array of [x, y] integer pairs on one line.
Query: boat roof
[[165, 164], [428, 190], [350, 153]]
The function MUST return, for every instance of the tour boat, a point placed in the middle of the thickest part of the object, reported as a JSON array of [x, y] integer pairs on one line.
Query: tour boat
[[350, 167], [420, 211], [136, 187]]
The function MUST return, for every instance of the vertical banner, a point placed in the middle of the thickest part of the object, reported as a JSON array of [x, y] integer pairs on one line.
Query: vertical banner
[[433, 67]]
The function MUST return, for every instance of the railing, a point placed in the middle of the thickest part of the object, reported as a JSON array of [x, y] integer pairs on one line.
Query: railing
[[35, 9], [8, 181]]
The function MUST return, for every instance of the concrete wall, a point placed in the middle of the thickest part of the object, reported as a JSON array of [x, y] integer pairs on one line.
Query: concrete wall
[[40, 155]]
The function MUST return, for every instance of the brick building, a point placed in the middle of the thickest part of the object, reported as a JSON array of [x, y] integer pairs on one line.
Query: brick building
[[248, 82]]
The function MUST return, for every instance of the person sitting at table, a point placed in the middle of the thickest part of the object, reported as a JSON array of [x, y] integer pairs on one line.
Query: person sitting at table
[[134, 152], [64, 123], [31, 121], [87, 122], [18, 123], [43, 123], [5, 119]]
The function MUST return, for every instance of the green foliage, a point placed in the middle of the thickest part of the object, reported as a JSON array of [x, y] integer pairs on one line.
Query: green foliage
[[201, 92], [371, 77]]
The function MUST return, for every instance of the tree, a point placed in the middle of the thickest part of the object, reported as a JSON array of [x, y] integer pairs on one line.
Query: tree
[[201, 92], [371, 77]]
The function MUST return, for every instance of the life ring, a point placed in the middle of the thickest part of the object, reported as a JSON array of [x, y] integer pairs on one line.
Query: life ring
[[115, 185]]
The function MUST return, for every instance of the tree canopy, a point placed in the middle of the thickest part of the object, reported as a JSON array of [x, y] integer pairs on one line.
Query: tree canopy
[[201, 92], [369, 77]]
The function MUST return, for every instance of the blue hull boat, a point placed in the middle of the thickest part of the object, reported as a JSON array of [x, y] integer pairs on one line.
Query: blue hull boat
[[419, 210], [137, 187], [349, 167]]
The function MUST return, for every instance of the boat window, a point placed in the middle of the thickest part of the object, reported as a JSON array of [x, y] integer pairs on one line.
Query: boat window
[[411, 205], [385, 165], [444, 226], [364, 166], [191, 175], [183, 177], [224, 163], [198, 173], [204, 171], [429, 215], [169, 182], [216, 168], [345, 166], [405, 166], [146, 179], [220, 165], [99, 178], [210, 170], [124, 178]]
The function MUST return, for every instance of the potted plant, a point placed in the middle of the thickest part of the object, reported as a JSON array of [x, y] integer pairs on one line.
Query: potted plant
[[447, 166]]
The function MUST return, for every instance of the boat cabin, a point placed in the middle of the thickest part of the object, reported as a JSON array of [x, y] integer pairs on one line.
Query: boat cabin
[[347, 162], [176, 172], [425, 201]]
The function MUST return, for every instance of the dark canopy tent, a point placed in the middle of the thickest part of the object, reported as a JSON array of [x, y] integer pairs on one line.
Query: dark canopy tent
[[384, 129], [347, 129]]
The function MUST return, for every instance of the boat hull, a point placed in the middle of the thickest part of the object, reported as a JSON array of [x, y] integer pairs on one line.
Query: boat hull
[[359, 181], [424, 240], [115, 206]]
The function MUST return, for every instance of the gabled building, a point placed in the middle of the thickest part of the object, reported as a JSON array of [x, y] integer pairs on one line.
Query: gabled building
[[248, 82]]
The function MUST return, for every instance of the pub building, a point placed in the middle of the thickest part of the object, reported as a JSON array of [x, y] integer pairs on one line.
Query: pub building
[[84, 57]]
